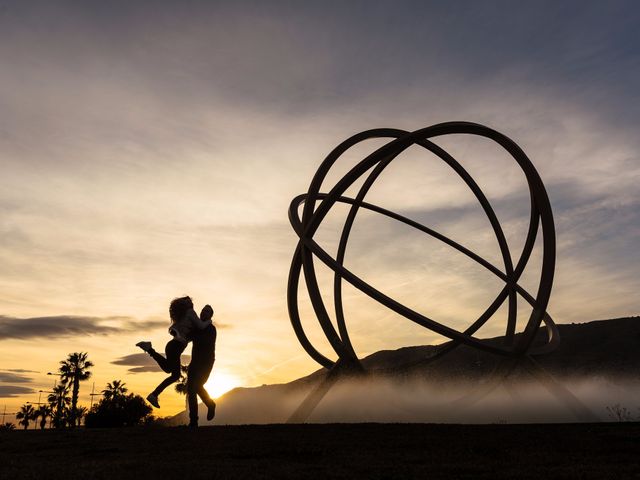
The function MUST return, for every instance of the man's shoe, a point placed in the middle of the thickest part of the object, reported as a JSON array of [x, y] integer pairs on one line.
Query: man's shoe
[[211, 411], [193, 424], [153, 400], [146, 346]]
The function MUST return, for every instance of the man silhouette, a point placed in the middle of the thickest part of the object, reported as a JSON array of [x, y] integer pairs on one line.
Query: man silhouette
[[203, 355]]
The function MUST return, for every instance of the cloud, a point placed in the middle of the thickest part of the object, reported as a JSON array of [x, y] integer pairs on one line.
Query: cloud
[[141, 362], [161, 152], [64, 326], [12, 391], [8, 377]]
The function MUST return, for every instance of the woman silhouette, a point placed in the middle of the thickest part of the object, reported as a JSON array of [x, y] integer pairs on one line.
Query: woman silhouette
[[186, 326]]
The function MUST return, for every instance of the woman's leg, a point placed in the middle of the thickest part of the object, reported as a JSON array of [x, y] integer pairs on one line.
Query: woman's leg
[[172, 350], [174, 377], [160, 360], [170, 365]]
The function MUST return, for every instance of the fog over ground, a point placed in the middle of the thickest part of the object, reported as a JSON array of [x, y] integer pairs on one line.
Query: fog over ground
[[388, 400]]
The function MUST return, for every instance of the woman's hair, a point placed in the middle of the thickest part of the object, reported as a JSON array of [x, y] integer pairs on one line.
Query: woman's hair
[[178, 307]]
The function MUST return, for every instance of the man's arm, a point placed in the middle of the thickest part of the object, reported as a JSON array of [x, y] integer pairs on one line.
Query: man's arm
[[201, 323]]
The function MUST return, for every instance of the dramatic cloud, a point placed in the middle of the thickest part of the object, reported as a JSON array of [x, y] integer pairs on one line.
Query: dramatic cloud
[[70, 326], [142, 362], [8, 377], [11, 391]]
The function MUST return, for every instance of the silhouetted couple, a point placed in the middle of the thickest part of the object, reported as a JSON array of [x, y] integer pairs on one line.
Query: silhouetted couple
[[187, 327]]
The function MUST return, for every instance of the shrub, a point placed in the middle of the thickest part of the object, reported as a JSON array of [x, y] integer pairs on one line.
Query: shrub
[[619, 413], [119, 411]]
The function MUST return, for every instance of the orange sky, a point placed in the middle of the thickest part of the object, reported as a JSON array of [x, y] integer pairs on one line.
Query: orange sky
[[151, 154]]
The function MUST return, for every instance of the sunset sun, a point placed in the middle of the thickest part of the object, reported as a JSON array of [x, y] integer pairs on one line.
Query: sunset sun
[[220, 383]]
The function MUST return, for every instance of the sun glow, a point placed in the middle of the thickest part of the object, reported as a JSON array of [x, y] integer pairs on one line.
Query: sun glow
[[220, 383]]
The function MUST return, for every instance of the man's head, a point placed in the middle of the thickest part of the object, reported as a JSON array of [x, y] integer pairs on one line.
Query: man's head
[[206, 313], [180, 306]]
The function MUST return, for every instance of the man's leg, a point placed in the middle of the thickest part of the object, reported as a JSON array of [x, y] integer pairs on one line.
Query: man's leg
[[192, 399], [204, 371], [198, 376], [208, 401], [202, 358]]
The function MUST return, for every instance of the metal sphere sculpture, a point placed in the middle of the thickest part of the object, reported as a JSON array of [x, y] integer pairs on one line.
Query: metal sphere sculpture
[[317, 205]]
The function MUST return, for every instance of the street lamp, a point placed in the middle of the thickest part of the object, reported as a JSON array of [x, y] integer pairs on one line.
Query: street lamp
[[54, 386], [94, 394], [55, 374], [35, 423], [4, 413], [40, 392]]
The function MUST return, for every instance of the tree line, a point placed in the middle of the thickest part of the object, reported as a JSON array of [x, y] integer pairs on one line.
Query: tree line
[[116, 408]]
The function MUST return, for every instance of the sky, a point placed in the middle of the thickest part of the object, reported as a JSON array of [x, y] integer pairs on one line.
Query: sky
[[151, 149]]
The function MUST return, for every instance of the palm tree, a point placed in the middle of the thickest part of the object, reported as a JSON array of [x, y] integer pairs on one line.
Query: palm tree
[[73, 370], [43, 412], [80, 414], [25, 415], [59, 401], [114, 390]]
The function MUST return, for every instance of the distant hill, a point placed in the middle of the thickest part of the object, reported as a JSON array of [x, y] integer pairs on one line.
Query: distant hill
[[604, 351], [603, 348]]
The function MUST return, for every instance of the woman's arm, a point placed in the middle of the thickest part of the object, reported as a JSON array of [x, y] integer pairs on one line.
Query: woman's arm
[[197, 322]]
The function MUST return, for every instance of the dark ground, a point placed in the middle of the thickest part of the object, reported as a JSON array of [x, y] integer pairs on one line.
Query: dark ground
[[597, 451]]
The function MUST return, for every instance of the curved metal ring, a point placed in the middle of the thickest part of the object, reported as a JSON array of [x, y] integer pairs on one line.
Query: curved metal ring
[[312, 216]]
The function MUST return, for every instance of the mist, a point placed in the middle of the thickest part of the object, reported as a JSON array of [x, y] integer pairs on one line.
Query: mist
[[391, 400]]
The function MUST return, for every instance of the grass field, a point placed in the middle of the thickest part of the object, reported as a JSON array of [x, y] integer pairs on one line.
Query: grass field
[[579, 451]]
